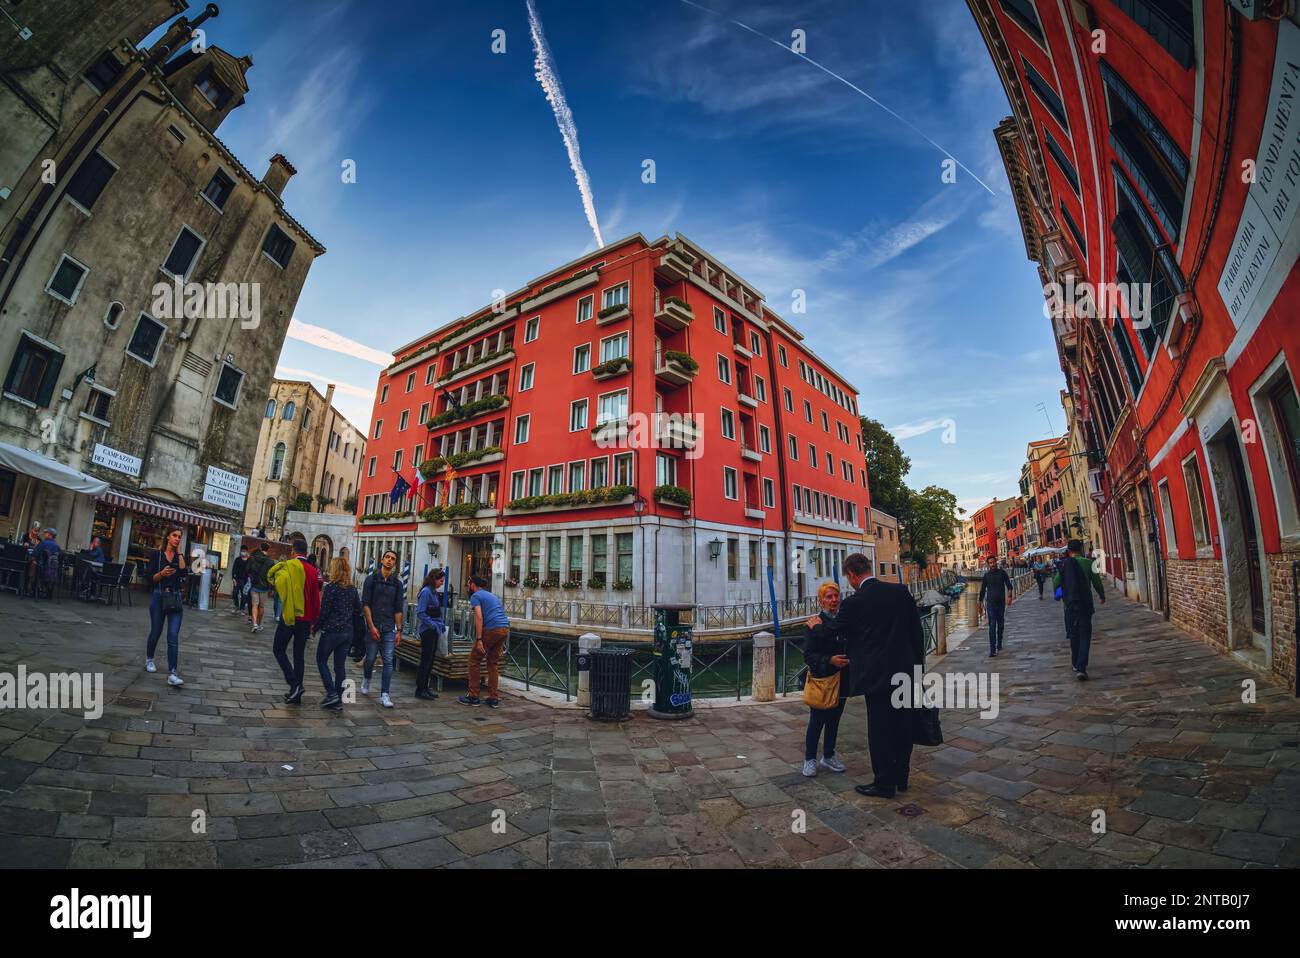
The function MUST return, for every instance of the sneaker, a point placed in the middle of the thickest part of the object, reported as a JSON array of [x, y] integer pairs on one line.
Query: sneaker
[[149, 666], [833, 763], [335, 706], [427, 695], [1082, 676], [492, 703], [468, 700], [365, 686], [256, 627], [809, 767], [295, 696], [386, 700], [174, 679], [329, 701]]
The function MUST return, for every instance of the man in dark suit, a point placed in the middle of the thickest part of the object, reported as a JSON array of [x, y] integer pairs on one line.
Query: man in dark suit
[[883, 637]]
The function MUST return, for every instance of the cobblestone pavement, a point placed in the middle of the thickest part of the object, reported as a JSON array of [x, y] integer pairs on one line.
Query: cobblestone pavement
[[1159, 739]]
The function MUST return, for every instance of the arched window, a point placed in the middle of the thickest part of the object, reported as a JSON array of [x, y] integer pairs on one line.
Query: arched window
[[268, 512], [306, 417], [277, 460], [289, 408], [270, 409], [329, 487], [113, 316]]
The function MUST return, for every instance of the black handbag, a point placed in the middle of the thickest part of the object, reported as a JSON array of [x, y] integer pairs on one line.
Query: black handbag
[[170, 601], [360, 631], [925, 727]]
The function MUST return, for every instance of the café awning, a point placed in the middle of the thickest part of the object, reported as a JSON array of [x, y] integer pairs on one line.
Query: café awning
[[176, 512], [45, 469]]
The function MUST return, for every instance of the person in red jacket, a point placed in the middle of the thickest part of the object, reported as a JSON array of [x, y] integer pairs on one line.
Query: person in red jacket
[[294, 625]]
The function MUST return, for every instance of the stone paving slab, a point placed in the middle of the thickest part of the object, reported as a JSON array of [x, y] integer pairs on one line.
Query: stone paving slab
[[1155, 762]]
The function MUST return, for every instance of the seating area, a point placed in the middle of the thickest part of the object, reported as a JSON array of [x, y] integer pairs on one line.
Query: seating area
[[25, 572]]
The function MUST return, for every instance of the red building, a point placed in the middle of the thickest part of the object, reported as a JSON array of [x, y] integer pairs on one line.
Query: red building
[[988, 527], [1013, 533], [635, 426], [1153, 152]]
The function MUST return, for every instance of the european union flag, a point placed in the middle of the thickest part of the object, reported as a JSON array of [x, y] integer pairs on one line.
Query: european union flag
[[400, 488]]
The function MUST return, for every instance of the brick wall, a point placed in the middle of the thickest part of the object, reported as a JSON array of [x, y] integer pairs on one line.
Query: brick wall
[[1283, 615], [1198, 600]]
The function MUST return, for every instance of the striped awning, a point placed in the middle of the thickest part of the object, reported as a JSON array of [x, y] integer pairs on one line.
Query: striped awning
[[162, 509]]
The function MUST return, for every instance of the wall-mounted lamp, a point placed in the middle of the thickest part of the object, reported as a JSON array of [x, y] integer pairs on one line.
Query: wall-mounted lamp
[[715, 549], [433, 549]]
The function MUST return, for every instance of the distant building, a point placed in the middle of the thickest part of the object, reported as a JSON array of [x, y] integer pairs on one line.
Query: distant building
[[885, 529], [146, 284], [306, 450], [988, 528]]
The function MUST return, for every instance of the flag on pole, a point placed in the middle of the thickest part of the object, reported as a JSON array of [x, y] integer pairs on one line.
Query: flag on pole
[[415, 489], [400, 488]]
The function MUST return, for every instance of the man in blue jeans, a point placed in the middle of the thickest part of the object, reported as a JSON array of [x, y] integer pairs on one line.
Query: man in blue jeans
[[383, 599], [995, 596]]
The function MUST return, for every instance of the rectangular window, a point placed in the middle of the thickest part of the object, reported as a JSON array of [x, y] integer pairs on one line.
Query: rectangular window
[[69, 275], [585, 307], [600, 557], [521, 429], [780, 353], [794, 448], [184, 253], [615, 347], [370, 468], [665, 469], [516, 556], [807, 410], [1061, 159], [724, 368], [516, 485], [34, 372], [798, 497], [764, 439], [1167, 510], [812, 455], [753, 558], [614, 296], [1049, 97], [729, 483], [1196, 500], [575, 558], [577, 476], [402, 420], [623, 469], [397, 460], [379, 428], [728, 424], [760, 389], [535, 557], [146, 339], [383, 394], [578, 415], [535, 479], [554, 480], [769, 494], [623, 545], [424, 413], [581, 358], [1126, 355], [826, 422], [97, 404], [1286, 413], [1074, 231], [719, 320], [611, 407], [103, 73], [733, 559], [410, 382], [1169, 23], [218, 190], [417, 457], [1024, 14], [789, 399], [278, 246], [600, 472], [532, 328], [526, 376], [90, 179], [429, 373], [755, 344], [228, 385]]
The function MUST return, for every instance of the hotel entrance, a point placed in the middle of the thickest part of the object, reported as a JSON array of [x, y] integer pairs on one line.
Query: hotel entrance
[[476, 559]]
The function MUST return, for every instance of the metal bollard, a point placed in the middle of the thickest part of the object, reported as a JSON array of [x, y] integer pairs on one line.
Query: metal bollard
[[586, 642]]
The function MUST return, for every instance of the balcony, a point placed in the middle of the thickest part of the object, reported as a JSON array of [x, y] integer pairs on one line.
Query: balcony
[[677, 431], [467, 411], [675, 313], [675, 264], [611, 432], [753, 513], [741, 350], [747, 400], [675, 369], [613, 314], [479, 365], [611, 368], [753, 455]]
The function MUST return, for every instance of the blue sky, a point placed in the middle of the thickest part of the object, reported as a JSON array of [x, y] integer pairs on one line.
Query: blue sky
[[918, 291]]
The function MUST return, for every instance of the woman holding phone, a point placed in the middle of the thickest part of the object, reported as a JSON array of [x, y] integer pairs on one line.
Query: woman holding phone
[[824, 655], [166, 572]]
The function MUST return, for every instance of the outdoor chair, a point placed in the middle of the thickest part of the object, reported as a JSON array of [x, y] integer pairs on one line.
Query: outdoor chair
[[107, 582]]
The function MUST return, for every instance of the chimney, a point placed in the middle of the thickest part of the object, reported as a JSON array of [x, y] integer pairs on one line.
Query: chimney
[[278, 174], [329, 396]]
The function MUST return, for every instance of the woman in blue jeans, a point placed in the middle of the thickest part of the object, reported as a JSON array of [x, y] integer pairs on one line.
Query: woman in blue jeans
[[339, 607], [824, 654], [166, 572]]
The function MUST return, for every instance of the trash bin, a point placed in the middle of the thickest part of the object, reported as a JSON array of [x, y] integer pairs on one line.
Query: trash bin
[[611, 684], [672, 662]]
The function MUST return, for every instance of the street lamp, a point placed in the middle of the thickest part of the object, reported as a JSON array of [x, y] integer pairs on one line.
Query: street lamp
[[639, 504], [715, 549], [433, 549]]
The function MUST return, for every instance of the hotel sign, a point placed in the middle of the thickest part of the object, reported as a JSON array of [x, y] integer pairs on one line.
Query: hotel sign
[[1268, 234], [115, 459], [472, 528]]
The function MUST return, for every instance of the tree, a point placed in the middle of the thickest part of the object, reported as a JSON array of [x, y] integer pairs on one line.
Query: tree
[[323, 500], [350, 504], [886, 466], [926, 521], [301, 502]]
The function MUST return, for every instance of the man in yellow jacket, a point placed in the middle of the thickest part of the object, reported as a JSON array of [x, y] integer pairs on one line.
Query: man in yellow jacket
[[298, 585]]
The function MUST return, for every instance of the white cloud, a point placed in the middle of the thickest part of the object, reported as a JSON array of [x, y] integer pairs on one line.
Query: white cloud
[[328, 339], [912, 429]]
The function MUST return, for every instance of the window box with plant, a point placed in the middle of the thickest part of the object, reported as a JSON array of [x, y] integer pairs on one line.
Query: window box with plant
[[459, 510], [676, 263], [551, 583], [676, 368], [439, 463], [609, 495], [501, 354], [531, 582], [468, 410], [673, 495], [612, 314], [623, 585], [675, 313], [388, 516], [595, 582], [571, 584], [611, 368]]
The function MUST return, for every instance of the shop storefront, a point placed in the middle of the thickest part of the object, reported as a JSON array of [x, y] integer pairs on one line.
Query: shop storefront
[[133, 524]]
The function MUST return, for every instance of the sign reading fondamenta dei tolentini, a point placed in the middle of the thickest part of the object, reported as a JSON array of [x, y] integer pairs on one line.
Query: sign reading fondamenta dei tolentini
[[1268, 234]]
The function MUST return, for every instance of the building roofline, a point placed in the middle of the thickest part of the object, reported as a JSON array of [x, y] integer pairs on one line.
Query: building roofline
[[312, 386]]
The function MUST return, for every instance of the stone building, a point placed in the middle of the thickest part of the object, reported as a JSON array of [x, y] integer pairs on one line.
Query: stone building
[[146, 282], [885, 534], [305, 449]]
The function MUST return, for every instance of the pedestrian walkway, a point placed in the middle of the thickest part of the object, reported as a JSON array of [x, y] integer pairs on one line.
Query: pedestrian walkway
[[1159, 740]]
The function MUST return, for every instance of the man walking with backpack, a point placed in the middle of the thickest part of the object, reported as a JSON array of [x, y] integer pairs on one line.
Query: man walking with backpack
[[259, 564], [298, 584], [1075, 579]]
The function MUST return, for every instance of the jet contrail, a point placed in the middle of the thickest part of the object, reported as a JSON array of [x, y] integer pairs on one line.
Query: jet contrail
[[851, 86], [544, 70]]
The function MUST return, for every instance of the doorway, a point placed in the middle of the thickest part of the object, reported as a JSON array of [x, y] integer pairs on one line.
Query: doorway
[[1242, 571], [476, 559]]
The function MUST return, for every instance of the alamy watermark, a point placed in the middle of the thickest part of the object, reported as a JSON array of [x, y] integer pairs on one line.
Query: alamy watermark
[[181, 300], [1087, 300], [78, 691], [951, 690]]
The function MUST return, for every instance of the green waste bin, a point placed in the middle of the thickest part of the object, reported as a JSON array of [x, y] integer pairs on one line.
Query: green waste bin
[[672, 673]]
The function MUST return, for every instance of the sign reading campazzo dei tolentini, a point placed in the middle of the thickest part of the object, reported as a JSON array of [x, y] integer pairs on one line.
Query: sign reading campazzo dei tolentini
[[115, 459], [225, 489]]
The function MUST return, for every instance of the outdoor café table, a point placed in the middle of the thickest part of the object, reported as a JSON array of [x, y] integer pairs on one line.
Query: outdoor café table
[[87, 570]]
